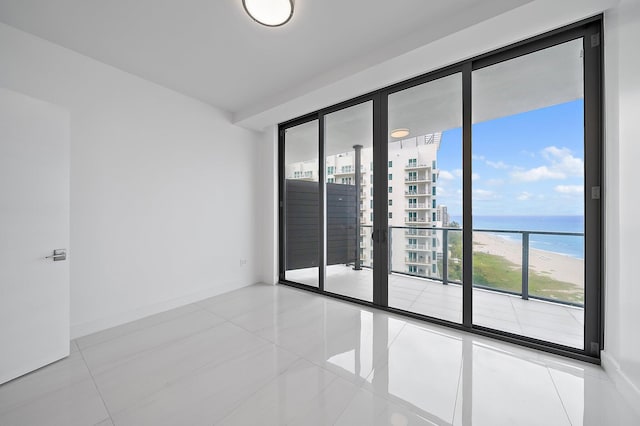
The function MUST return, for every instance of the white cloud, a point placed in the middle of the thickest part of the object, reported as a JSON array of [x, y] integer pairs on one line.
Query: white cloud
[[445, 175], [564, 161], [497, 164], [458, 172], [562, 165], [475, 176], [484, 195], [539, 173], [478, 157], [569, 189], [524, 196], [495, 182]]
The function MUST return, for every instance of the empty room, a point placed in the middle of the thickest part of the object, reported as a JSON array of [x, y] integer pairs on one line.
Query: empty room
[[303, 212]]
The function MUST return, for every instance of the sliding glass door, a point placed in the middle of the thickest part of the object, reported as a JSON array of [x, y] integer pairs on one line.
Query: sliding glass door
[[424, 151], [348, 136], [528, 195], [484, 209], [300, 190]]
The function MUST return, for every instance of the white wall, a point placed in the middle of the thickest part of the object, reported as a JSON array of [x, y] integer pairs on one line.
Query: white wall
[[163, 187], [622, 152], [268, 153]]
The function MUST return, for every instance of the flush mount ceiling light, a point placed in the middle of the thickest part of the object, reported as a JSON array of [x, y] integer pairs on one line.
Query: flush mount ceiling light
[[271, 13], [399, 133]]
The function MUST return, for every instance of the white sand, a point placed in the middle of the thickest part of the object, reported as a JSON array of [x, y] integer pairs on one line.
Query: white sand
[[557, 266]]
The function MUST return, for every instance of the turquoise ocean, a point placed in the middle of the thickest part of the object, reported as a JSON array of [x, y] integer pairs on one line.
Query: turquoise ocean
[[567, 245]]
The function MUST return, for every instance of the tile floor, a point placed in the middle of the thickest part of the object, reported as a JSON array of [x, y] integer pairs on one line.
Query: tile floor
[[551, 322], [273, 355]]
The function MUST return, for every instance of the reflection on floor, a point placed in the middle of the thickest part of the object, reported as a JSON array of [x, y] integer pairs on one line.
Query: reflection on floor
[[533, 318], [273, 355]]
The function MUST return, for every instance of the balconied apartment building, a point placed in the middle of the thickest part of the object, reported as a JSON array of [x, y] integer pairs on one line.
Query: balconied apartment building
[[412, 176]]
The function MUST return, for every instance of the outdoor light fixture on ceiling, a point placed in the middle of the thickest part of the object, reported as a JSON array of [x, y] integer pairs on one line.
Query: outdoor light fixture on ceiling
[[272, 13], [400, 133]]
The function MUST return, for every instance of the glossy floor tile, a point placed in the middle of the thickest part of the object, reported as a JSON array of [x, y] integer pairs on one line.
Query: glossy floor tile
[[274, 355], [552, 322]]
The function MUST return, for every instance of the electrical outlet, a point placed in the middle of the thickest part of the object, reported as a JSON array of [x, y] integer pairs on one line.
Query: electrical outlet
[[243, 262]]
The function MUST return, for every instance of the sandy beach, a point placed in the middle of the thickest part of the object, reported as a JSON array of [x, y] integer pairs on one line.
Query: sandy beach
[[557, 266]]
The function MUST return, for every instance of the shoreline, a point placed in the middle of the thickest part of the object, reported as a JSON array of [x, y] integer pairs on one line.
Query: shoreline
[[531, 247], [560, 267]]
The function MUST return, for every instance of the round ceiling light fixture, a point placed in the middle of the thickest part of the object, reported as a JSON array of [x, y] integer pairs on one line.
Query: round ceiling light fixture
[[271, 13], [399, 133]]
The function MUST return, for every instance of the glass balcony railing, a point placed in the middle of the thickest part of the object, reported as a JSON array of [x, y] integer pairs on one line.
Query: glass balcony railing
[[416, 166], [509, 262], [416, 220], [416, 179], [417, 206]]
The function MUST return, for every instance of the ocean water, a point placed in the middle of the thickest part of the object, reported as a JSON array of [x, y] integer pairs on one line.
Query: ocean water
[[568, 245]]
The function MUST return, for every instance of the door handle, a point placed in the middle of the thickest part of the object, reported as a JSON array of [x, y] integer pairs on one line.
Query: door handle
[[379, 236], [58, 254]]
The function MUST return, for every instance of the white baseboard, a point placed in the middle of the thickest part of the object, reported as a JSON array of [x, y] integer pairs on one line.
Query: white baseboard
[[83, 329], [623, 383]]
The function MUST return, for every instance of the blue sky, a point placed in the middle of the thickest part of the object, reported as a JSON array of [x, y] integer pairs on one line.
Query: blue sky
[[526, 164]]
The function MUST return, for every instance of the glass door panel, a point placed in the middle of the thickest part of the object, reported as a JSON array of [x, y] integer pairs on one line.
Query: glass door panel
[[425, 198], [301, 189], [349, 201], [528, 195]]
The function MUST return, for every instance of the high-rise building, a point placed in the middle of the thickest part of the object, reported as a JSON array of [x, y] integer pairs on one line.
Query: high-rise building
[[412, 176]]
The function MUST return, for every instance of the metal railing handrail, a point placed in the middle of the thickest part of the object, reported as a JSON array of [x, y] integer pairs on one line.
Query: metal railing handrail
[[524, 293]]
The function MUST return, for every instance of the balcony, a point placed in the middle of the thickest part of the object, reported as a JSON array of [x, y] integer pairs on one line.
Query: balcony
[[419, 220], [420, 260], [417, 247], [419, 192], [344, 172], [417, 206], [416, 166], [306, 175], [541, 312], [416, 179], [412, 232], [347, 170]]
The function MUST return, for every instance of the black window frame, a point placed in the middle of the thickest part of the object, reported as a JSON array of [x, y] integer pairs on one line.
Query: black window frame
[[591, 30]]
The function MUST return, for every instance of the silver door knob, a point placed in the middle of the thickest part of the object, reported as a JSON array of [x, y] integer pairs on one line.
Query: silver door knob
[[58, 254]]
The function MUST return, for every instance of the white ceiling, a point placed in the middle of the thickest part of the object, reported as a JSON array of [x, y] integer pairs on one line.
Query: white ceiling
[[545, 78], [211, 50]]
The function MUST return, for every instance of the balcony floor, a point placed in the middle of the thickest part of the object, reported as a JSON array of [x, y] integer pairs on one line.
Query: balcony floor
[[542, 320]]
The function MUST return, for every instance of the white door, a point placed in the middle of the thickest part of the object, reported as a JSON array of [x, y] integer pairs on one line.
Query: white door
[[34, 221]]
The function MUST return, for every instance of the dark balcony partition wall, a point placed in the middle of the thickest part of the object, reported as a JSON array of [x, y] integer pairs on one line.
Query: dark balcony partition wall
[[342, 235], [302, 216]]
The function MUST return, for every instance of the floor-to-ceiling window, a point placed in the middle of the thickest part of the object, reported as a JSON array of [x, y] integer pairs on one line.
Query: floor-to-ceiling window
[[528, 199], [301, 196], [484, 209], [425, 123]]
